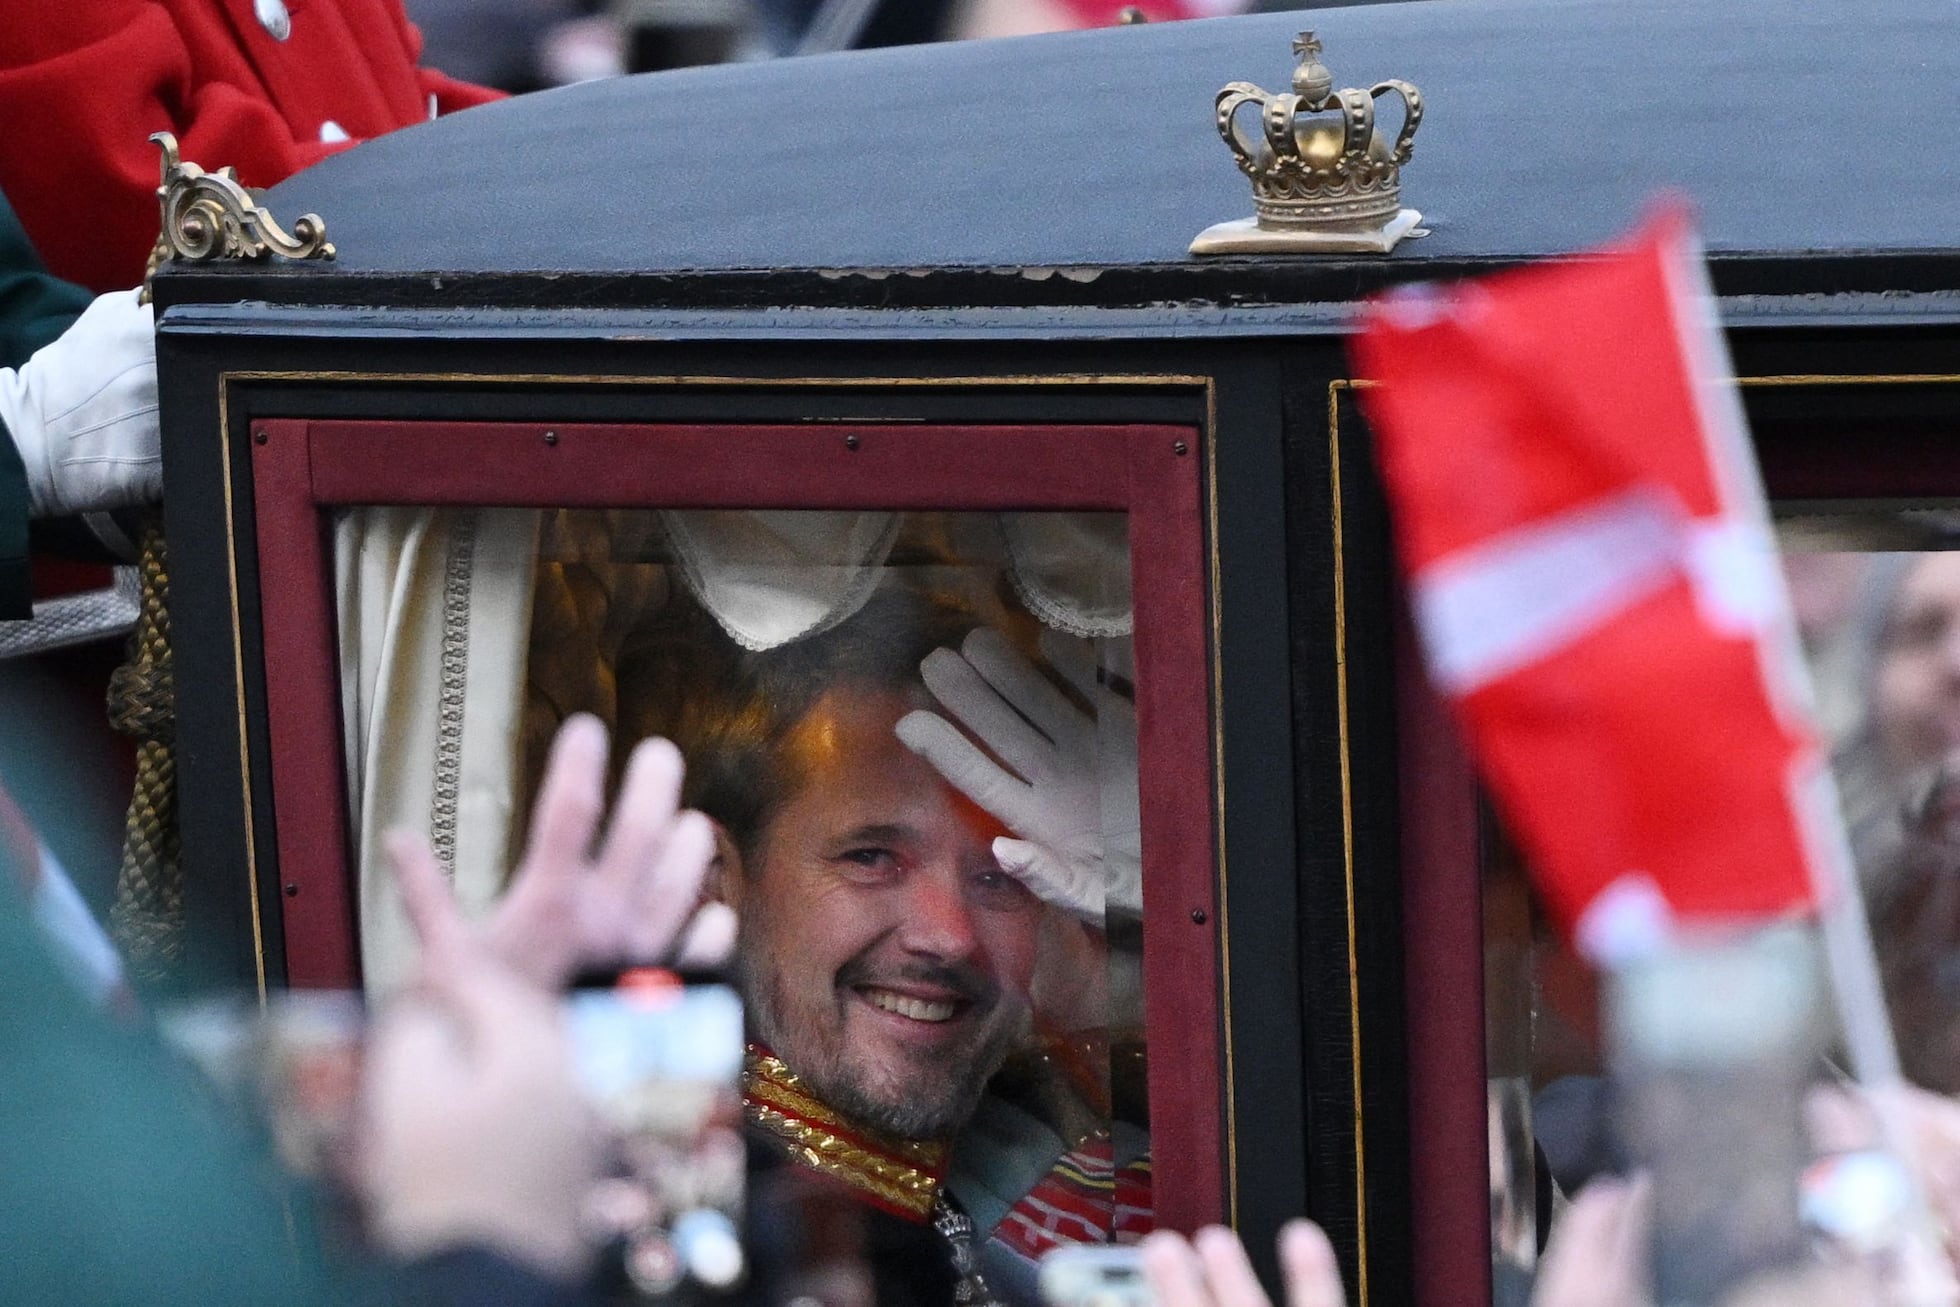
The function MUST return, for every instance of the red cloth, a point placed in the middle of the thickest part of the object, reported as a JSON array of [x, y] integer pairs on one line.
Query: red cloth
[[1084, 1198], [82, 86], [1594, 580], [1107, 13]]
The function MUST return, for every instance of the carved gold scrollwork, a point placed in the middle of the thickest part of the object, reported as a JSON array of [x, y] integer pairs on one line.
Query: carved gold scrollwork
[[208, 215]]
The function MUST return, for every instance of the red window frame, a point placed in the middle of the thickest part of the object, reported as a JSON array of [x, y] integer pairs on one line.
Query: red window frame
[[302, 469]]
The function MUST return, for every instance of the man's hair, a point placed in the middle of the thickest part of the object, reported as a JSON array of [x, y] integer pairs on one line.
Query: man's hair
[[734, 709]]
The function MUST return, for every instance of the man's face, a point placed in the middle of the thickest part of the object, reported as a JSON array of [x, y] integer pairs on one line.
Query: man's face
[[886, 957], [1917, 696]]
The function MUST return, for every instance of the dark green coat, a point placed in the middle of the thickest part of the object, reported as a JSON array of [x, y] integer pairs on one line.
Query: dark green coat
[[35, 307]]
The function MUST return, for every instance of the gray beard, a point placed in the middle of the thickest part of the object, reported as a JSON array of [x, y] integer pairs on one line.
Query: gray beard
[[838, 1086], [913, 1119]]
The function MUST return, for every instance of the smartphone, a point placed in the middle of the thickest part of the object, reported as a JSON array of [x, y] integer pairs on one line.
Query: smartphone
[[660, 1058], [1094, 1275]]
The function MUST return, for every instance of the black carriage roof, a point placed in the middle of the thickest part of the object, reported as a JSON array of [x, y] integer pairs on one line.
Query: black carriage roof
[[1812, 132]]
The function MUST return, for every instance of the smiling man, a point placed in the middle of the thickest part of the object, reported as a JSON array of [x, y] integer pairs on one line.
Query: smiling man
[[887, 958], [886, 955]]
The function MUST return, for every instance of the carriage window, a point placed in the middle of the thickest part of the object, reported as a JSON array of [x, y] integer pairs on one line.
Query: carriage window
[[916, 736], [1876, 597]]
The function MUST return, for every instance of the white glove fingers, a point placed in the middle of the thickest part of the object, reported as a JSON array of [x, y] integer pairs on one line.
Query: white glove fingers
[[980, 708], [425, 892], [1228, 1268], [1022, 685], [1054, 881], [1177, 1277], [133, 386], [966, 768], [1306, 1259], [83, 412]]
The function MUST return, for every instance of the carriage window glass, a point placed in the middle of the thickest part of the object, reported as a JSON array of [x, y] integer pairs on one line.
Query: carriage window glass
[[916, 736], [1878, 609], [1876, 598]]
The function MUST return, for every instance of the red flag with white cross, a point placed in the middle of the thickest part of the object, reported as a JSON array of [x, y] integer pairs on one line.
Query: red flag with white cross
[[1595, 585]]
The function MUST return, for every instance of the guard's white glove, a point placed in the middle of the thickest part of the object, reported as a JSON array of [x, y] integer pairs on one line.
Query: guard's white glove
[[1071, 798], [83, 412]]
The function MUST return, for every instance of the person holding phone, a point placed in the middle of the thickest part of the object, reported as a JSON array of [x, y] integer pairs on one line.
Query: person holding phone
[[474, 1145]]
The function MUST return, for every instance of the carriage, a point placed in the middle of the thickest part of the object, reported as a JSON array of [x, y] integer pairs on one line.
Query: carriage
[[931, 314]]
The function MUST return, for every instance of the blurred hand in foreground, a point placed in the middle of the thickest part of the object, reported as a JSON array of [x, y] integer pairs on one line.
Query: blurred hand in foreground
[[1211, 1269], [637, 898], [1597, 1256], [1842, 1120], [472, 1130]]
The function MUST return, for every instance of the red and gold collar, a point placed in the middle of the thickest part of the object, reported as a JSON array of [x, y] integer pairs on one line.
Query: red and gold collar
[[902, 1176]]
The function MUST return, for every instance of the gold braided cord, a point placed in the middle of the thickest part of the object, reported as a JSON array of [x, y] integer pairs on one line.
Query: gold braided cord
[[147, 917], [769, 1081], [898, 1186], [902, 1173]]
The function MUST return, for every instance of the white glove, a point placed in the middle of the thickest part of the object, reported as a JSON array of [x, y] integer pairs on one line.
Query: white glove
[[1071, 797], [83, 412]]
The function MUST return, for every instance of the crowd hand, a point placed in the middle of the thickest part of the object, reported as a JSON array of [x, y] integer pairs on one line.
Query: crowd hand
[[1935, 1123], [1841, 1121], [1599, 1250], [472, 1131], [571, 909], [1211, 1269], [1068, 790], [83, 412], [1597, 1256]]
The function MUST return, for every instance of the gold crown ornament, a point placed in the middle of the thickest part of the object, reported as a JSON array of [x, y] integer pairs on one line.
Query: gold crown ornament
[[1325, 179]]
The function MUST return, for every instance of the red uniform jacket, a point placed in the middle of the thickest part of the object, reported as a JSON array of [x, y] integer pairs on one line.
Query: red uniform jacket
[[83, 83]]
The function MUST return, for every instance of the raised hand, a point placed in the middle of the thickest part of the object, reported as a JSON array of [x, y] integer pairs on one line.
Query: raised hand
[[575, 904], [1068, 789], [472, 1130], [1211, 1270], [1597, 1256]]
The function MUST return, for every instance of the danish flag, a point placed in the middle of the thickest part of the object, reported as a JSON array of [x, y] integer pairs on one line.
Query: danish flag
[[1596, 589]]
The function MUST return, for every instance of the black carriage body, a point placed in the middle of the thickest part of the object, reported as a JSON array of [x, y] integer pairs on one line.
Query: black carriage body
[[995, 234]]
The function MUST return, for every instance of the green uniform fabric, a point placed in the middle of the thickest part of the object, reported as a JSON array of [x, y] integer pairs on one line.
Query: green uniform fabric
[[35, 307], [125, 1182]]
